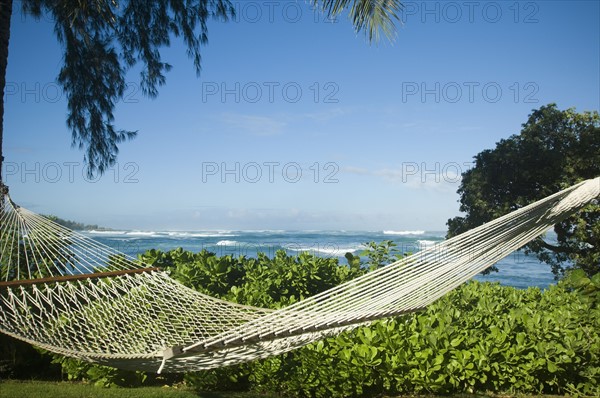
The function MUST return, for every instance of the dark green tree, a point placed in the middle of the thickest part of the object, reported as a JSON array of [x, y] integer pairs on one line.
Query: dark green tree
[[103, 39], [555, 149], [5, 14]]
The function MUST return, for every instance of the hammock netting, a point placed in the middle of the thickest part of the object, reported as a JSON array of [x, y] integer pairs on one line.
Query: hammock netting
[[69, 294]]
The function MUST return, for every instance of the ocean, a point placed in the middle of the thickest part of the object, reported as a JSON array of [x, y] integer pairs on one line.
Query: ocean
[[517, 269]]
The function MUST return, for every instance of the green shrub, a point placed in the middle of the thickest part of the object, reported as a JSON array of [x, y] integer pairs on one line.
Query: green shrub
[[262, 281], [20, 360], [480, 337]]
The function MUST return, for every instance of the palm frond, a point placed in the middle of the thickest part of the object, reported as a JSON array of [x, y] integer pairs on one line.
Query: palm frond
[[371, 16]]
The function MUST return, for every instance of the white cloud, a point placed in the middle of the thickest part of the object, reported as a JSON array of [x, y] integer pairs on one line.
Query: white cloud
[[326, 115], [438, 177], [255, 125], [355, 170], [273, 125]]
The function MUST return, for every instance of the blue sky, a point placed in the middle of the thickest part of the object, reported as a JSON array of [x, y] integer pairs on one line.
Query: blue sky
[[297, 123]]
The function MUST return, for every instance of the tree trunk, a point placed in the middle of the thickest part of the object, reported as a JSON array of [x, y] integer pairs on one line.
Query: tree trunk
[[5, 14]]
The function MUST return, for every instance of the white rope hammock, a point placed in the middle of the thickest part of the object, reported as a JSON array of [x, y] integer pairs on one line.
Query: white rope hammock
[[69, 294]]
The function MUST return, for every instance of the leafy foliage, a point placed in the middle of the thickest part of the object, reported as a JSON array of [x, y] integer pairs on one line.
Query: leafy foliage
[[554, 150], [20, 360], [367, 15], [480, 337], [262, 281], [376, 255], [587, 288], [101, 376]]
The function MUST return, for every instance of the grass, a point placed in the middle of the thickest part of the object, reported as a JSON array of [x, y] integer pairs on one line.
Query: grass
[[44, 389]]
